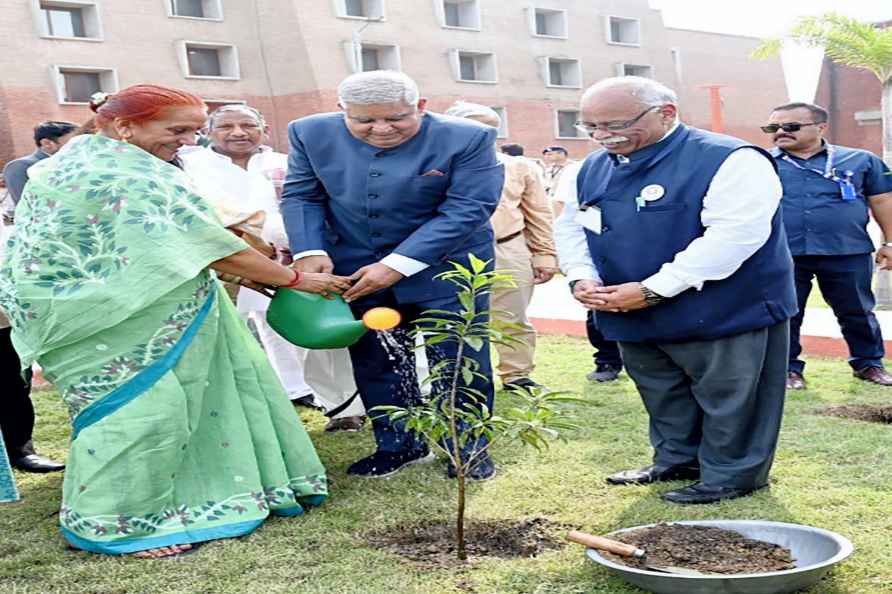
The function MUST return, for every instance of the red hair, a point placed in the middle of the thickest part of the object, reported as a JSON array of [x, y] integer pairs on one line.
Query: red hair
[[141, 103]]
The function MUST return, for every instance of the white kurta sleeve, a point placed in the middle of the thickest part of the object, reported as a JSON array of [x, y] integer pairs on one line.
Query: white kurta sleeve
[[737, 212]]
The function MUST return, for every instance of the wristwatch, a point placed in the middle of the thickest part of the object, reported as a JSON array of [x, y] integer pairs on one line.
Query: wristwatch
[[887, 244], [650, 297]]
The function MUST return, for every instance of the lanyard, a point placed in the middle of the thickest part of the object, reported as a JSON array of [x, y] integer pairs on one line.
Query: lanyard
[[846, 187], [828, 173]]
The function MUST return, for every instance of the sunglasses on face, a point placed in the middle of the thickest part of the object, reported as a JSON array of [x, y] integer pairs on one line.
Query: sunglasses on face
[[791, 127]]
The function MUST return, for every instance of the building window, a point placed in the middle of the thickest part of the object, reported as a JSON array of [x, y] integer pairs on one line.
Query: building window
[[459, 14], [196, 9], [372, 56], [503, 126], [471, 66], [209, 60], [380, 57], [635, 70], [623, 31], [68, 20], [563, 72], [548, 22], [565, 124], [372, 10], [76, 84]]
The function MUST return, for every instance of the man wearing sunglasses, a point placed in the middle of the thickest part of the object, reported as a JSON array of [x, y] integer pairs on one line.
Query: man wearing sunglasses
[[677, 242], [829, 193]]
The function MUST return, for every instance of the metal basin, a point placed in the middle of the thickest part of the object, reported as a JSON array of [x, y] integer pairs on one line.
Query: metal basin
[[815, 551]]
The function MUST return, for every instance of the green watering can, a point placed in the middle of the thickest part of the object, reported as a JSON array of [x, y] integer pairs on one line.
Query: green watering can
[[314, 322]]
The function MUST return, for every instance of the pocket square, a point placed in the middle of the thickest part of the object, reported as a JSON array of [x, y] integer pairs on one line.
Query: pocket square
[[434, 173]]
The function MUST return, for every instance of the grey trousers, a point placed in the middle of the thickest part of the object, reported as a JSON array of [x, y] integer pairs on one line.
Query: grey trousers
[[718, 403]]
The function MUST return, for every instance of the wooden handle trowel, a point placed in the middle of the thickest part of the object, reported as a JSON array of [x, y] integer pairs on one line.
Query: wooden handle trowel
[[625, 550]]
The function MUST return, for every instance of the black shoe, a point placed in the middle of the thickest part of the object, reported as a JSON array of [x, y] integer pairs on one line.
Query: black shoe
[[307, 401], [35, 463], [523, 384], [653, 473], [698, 493], [352, 424], [382, 464], [483, 469], [604, 373]]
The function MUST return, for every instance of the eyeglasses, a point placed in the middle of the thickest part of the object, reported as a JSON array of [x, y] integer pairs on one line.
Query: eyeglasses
[[791, 127], [590, 128]]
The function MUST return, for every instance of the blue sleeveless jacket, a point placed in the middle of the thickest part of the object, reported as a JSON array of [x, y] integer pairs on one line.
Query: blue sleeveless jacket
[[635, 242]]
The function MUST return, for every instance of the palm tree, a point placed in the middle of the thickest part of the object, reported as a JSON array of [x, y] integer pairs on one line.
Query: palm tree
[[848, 42]]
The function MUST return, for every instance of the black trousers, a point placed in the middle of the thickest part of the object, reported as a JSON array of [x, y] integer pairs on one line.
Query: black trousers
[[845, 282], [17, 412], [606, 351], [385, 373], [716, 403]]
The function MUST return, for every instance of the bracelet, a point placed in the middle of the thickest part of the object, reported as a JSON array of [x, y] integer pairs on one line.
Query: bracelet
[[295, 281], [650, 297]]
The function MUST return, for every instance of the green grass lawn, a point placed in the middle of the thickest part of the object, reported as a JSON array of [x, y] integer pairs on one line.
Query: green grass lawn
[[830, 472]]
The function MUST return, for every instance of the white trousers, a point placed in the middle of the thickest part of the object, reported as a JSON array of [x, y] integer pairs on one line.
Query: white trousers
[[327, 374]]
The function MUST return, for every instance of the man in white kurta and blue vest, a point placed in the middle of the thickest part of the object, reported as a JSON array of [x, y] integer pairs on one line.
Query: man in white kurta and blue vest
[[389, 195], [830, 191], [677, 242]]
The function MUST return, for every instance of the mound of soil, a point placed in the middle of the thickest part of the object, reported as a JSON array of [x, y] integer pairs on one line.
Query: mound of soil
[[703, 548], [860, 412], [433, 543]]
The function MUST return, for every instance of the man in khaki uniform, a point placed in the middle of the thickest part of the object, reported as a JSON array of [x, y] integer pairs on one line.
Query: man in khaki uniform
[[524, 246]]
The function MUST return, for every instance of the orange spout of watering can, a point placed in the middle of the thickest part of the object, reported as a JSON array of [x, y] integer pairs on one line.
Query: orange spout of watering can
[[313, 322], [381, 318]]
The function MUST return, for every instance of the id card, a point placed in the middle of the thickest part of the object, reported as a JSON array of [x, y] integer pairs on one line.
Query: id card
[[590, 218], [848, 190]]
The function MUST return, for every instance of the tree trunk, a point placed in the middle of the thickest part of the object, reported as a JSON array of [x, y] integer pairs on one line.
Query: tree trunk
[[883, 278], [887, 122]]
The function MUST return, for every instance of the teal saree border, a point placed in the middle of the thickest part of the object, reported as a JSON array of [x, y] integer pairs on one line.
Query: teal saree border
[[132, 545], [144, 380], [8, 491]]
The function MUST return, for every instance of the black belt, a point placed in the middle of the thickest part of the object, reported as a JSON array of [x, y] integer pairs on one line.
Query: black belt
[[509, 237]]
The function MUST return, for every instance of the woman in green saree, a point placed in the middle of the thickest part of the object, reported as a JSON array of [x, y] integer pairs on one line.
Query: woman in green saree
[[181, 432]]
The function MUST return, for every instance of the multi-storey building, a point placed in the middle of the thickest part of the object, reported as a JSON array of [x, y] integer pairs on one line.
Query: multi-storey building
[[529, 59]]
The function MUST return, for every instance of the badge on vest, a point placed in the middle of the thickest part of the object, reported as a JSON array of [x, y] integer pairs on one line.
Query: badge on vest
[[649, 194]]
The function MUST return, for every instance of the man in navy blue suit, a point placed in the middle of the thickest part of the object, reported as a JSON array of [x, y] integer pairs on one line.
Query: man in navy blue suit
[[389, 194]]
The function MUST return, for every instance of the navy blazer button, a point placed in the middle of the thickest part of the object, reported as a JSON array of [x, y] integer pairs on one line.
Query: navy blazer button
[[375, 173], [376, 234], [373, 216], [373, 196]]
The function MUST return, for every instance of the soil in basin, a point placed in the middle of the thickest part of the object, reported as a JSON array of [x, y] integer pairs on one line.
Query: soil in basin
[[703, 548]]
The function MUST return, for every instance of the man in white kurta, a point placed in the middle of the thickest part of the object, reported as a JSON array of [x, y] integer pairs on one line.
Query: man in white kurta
[[237, 169]]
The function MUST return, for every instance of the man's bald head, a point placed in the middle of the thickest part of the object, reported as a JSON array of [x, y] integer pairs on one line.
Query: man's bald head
[[628, 113]]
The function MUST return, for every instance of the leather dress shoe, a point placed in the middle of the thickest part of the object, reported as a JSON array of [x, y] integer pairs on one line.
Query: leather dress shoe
[[653, 473], [698, 493], [604, 373], [795, 381], [36, 463], [874, 375]]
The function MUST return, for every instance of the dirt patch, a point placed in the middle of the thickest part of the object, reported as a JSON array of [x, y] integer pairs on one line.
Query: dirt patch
[[703, 548], [860, 412], [433, 543]]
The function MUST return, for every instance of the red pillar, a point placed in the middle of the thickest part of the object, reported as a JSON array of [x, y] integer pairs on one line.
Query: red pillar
[[717, 121]]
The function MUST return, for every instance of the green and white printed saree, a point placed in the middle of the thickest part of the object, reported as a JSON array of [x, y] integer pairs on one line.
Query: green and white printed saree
[[181, 432]]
